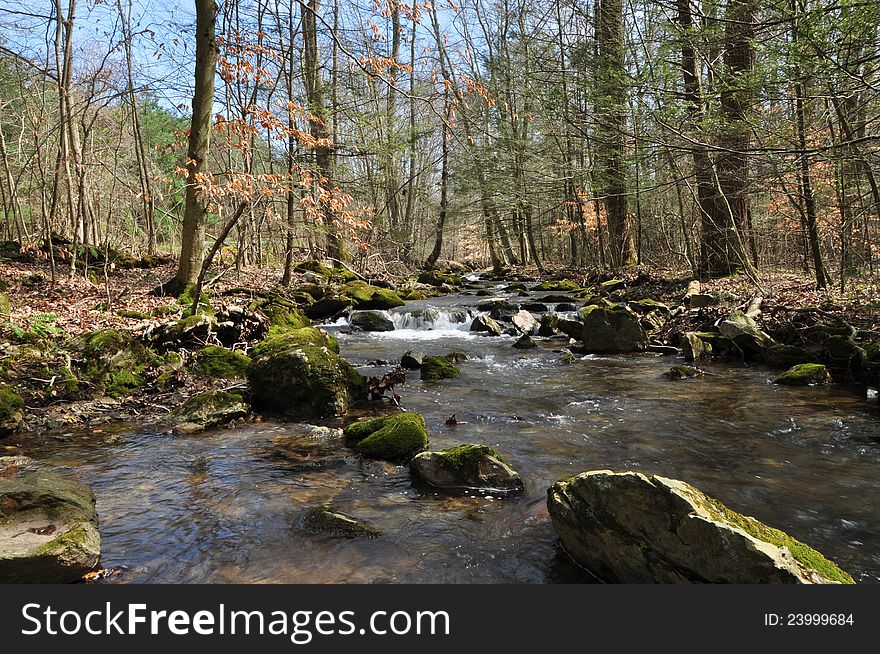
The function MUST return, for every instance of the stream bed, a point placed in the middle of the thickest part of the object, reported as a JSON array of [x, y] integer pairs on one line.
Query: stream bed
[[223, 506]]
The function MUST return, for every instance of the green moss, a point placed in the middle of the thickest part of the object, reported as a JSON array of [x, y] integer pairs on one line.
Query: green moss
[[78, 538], [314, 291], [209, 402], [466, 457], [559, 285], [436, 368], [435, 278], [188, 296], [105, 341], [312, 266], [219, 363], [804, 374], [393, 438], [165, 311], [340, 274], [303, 380], [365, 296], [803, 553], [411, 294], [11, 409], [5, 309], [281, 312], [281, 339], [123, 382]]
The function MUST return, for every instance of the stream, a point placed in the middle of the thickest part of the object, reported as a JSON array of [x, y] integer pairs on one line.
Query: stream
[[223, 506]]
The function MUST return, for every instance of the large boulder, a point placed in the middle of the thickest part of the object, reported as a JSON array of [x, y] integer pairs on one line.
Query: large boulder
[[114, 362], [524, 322], [486, 325], [612, 329], [11, 410], [392, 438], [366, 296], [371, 321], [303, 379], [207, 410], [745, 333], [464, 467], [48, 529], [628, 527], [436, 368], [214, 362]]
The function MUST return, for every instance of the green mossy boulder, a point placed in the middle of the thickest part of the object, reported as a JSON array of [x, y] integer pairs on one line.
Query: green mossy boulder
[[629, 527], [281, 312], [207, 410], [313, 266], [11, 410], [48, 529], [216, 362], [365, 296], [5, 308], [437, 368], [611, 330], [302, 381], [326, 521], [394, 438], [438, 279], [564, 285], [114, 362], [805, 374], [477, 467], [282, 339]]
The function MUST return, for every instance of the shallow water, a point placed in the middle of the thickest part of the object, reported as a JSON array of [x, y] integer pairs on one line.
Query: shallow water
[[225, 506]]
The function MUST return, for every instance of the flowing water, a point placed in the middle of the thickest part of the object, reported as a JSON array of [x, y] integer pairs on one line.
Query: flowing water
[[225, 506]]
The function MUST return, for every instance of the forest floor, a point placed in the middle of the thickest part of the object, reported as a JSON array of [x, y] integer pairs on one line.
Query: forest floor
[[76, 305], [57, 314]]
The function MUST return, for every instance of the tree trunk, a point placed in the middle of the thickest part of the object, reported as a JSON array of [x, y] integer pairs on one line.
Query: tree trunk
[[192, 246], [611, 117]]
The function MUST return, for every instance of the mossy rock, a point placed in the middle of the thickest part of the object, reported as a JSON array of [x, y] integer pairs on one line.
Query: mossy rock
[[328, 307], [216, 362], [115, 362], [326, 521], [549, 325], [48, 529], [805, 374], [187, 298], [315, 291], [342, 275], [394, 438], [476, 467], [872, 352], [648, 305], [612, 330], [207, 410], [439, 279], [412, 294], [682, 372], [303, 380], [11, 410], [437, 368], [364, 296], [282, 339], [629, 527], [371, 321], [313, 266], [564, 285], [843, 352], [281, 312]]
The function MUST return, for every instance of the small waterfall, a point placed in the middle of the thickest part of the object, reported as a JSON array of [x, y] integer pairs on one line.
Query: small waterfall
[[432, 318]]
